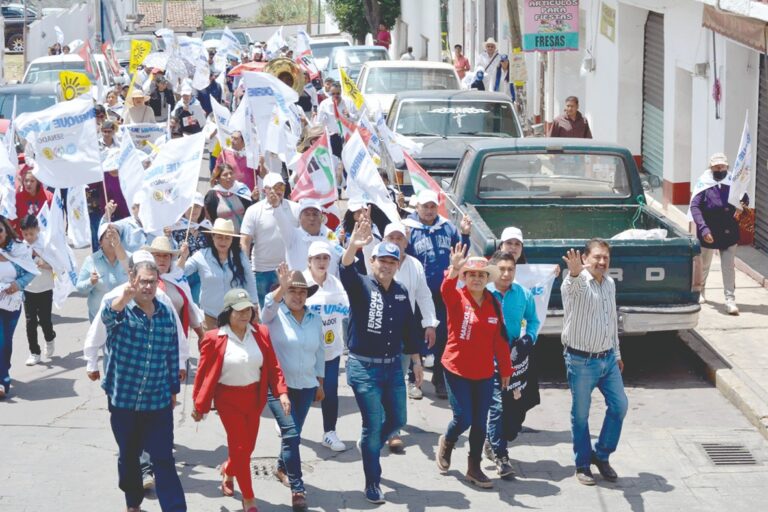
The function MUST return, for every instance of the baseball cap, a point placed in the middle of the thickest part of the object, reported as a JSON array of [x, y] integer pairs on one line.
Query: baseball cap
[[306, 204], [141, 256], [186, 90], [198, 199], [237, 299], [395, 227], [356, 204], [718, 159], [386, 250], [103, 229], [271, 179], [512, 233], [427, 196], [317, 248]]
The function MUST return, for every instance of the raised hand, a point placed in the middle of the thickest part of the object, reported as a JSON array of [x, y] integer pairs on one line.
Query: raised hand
[[361, 235], [272, 198], [466, 225], [458, 256], [130, 290], [284, 276], [575, 264]]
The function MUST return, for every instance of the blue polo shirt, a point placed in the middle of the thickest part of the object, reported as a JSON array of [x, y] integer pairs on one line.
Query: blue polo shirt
[[381, 322], [519, 310]]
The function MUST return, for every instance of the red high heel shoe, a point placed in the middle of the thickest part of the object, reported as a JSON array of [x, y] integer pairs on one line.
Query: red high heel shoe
[[227, 486]]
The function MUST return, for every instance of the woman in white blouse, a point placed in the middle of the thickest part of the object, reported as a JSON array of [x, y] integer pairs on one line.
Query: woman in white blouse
[[237, 366]]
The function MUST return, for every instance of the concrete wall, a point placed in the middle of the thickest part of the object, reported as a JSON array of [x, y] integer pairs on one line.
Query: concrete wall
[[422, 19]]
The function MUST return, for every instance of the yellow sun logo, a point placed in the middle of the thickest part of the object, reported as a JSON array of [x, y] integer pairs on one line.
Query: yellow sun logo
[[73, 84]]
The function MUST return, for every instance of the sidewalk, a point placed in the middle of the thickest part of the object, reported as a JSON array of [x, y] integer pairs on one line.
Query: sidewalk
[[734, 348]]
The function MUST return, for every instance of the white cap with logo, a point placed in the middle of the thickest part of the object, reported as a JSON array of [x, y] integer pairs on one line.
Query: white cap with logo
[[512, 233]]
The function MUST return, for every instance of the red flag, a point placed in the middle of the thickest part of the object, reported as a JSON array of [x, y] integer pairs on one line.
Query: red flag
[[423, 181], [109, 54], [86, 54], [316, 176]]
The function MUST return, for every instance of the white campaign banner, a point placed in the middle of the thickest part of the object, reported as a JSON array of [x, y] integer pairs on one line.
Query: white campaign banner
[[7, 190], [264, 92], [741, 176], [63, 138], [170, 183], [538, 279], [56, 251], [363, 180], [130, 170], [221, 116], [78, 222], [243, 121], [145, 134]]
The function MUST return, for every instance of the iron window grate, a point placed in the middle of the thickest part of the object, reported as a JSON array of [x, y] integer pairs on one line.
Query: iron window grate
[[723, 454]]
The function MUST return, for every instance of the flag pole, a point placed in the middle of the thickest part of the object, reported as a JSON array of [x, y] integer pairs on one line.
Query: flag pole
[[189, 220]]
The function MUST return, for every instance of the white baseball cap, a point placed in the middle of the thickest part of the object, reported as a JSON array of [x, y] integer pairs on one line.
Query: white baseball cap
[[512, 233], [317, 248], [198, 199], [427, 196], [356, 204], [306, 204], [395, 227], [718, 159], [141, 256], [186, 90], [271, 179]]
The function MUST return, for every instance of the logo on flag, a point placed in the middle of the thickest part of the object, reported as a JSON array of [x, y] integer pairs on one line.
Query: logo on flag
[[350, 90], [139, 51], [316, 179], [73, 84]]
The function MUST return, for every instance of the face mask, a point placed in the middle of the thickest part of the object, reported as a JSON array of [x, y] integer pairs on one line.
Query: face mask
[[719, 175]]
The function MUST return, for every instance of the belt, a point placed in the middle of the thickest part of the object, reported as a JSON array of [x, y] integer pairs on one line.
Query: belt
[[376, 360], [589, 355]]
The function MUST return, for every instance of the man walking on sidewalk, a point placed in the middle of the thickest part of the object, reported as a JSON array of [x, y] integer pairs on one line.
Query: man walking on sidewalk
[[592, 356]]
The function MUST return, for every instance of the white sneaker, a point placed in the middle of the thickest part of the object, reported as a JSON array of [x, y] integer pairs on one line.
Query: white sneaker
[[148, 481], [50, 348], [414, 392], [32, 360], [332, 441], [429, 361], [702, 298], [731, 308]]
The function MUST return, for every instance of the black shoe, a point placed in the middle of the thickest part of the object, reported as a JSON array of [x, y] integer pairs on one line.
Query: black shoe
[[605, 469], [584, 476], [488, 451], [504, 468], [440, 390]]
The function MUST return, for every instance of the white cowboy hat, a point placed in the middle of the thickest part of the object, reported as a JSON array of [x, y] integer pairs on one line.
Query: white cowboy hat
[[223, 227]]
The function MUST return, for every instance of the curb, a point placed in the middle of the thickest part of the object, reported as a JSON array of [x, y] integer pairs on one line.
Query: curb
[[754, 274], [728, 381]]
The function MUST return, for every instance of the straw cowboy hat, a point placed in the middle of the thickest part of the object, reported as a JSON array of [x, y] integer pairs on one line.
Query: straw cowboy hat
[[223, 227], [297, 280], [160, 245], [480, 264], [138, 93]]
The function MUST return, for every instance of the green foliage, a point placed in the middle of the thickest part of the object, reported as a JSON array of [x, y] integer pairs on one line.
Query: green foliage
[[275, 12], [212, 22], [351, 16]]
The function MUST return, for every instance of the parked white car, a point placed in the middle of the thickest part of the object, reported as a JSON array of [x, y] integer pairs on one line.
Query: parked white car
[[46, 70], [380, 81]]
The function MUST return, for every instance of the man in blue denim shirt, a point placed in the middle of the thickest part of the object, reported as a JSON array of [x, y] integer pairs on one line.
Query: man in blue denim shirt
[[141, 376], [382, 326]]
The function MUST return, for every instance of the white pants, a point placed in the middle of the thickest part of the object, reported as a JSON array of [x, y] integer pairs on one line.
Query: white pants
[[727, 266]]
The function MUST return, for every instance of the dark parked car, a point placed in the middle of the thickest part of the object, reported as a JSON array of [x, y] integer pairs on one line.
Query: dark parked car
[[13, 14]]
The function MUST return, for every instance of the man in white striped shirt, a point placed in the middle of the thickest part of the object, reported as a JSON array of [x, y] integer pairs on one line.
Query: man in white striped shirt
[[592, 356]]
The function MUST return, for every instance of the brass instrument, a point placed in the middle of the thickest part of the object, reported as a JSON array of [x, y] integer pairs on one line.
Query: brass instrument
[[288, 72]]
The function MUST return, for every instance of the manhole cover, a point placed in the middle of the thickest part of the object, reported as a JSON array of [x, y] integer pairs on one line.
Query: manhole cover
[[722, 454], [263, 467]]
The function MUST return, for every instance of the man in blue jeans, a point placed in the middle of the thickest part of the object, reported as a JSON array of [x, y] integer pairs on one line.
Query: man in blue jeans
[[592, 356], [382, 326]]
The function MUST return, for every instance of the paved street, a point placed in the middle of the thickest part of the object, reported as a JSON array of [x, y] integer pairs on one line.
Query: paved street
[[59, 451]]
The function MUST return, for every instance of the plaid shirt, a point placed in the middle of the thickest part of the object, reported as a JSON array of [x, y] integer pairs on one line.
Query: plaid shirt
[[141, 357]]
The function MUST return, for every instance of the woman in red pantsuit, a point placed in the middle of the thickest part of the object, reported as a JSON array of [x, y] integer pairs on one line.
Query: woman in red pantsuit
[[237, 365]]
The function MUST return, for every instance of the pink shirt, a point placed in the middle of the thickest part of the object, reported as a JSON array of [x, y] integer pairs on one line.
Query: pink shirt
[[383, 38], [461, 65], [243, 173]]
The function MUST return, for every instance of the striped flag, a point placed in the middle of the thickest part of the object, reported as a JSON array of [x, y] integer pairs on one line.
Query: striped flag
[[316, 177], [423, 181]]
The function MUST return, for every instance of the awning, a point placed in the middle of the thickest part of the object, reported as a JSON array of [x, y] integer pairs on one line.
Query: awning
[[747, 31]]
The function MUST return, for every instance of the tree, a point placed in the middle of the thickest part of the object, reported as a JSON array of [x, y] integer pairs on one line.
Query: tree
[[359, 17]]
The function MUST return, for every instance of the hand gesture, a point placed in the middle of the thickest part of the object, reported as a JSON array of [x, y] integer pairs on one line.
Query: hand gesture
[[466, 225], [284, 276], [342, 236], [184, 251], [110, 208], [94, 278], [167, 231], [130, 290], [458, 256], [575, 264], [361, 235], [400, 200]]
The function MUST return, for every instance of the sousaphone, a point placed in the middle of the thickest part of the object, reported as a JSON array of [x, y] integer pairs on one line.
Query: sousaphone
[[288, 72]]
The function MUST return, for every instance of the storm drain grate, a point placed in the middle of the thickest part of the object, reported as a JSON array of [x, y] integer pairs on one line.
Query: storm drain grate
[[722, 454], [263, 468]]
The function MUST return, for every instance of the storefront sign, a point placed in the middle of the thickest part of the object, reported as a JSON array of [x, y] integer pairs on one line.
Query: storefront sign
[[608, 22], [550, 25]]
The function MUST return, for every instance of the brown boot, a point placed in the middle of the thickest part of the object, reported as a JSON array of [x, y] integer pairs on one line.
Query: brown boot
[[444, 449], [475, 474]]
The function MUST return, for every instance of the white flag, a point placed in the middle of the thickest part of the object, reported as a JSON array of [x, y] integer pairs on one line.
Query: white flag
[[7, 181], [275, 43], [363, 180], [59, 35], [63, 138], [78, 222], [538, 279], [243, 121], [57, 252], [221, 117], [170, 182], [264, 91], [229, 43], [741, 176], [10, 138], [130, 170]]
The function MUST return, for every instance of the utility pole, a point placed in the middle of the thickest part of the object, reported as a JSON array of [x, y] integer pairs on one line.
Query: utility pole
[[165, 13], [309, 17], [319, 11], [24, 37]]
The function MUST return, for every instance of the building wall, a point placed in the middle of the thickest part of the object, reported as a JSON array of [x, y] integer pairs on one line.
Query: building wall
[[423, 30], [79, 22]]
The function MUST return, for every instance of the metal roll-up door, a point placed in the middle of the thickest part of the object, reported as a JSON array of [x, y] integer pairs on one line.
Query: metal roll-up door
[[652, 145], [761, 167]]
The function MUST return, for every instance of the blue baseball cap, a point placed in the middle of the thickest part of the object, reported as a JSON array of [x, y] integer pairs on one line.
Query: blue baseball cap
[[386, 250]]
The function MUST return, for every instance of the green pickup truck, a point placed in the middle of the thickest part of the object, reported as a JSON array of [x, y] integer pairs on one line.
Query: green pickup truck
[[562, 192]]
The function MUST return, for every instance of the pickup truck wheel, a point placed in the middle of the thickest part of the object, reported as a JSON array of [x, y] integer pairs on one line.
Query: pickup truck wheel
[[15, 43]]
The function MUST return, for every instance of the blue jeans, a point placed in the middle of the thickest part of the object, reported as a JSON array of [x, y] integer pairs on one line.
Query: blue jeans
[[470, 401], [380, 394], [289, 458], [330, 404], [264, 283], [153, 431], [8, 321], [95, 219], [496, 414], [194, 287], [584, 375]]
